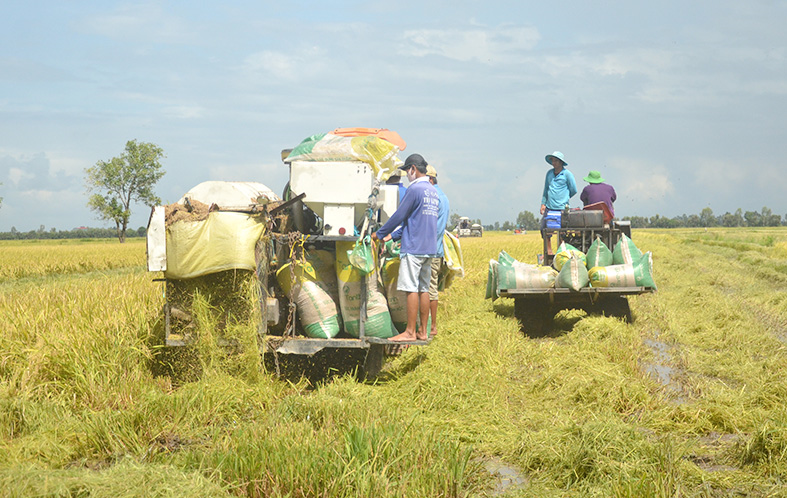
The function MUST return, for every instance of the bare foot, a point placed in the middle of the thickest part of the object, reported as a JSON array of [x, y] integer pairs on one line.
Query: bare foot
[[422, 337], [403, 337]]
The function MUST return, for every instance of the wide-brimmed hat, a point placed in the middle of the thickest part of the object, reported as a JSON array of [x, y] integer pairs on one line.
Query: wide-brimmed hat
[[430, 171], [594, 177], [556, 154]]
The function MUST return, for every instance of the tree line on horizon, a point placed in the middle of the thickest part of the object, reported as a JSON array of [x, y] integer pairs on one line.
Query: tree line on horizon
[[764, 218], [525, 221]]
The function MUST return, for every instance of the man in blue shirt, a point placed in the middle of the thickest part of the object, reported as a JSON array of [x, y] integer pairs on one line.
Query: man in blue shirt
[[437, 262], [417, 214], [559, 187]]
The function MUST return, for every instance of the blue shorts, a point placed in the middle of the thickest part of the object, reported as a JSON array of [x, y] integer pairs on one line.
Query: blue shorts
[[415, 272]]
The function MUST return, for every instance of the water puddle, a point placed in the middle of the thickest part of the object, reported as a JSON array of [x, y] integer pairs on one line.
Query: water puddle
[[507, 477], [661, 368]]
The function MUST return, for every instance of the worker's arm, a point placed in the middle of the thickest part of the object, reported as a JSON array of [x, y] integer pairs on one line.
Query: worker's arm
[[407, 204], [546, 191], [572, 186]]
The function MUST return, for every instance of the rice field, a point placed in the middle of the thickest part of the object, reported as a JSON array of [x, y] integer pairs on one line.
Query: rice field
[[689, 400]]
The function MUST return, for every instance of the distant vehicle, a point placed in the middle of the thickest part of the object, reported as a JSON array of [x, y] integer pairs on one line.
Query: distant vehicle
[[467, 229]]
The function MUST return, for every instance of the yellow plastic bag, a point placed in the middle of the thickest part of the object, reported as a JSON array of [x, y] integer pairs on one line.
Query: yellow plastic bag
[[223, 241]]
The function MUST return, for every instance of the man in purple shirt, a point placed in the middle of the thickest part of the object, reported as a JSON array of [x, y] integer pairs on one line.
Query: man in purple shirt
[[598, 191], [417, 214]]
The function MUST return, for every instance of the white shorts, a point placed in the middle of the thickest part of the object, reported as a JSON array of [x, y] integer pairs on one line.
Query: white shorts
[[415, 272]]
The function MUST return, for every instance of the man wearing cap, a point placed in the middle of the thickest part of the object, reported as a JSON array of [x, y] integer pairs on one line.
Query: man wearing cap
[[559, 187], [437, 262], [417, 214], [598, 191]]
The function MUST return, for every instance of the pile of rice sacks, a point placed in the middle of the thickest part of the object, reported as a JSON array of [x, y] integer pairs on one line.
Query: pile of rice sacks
[[624, 266]]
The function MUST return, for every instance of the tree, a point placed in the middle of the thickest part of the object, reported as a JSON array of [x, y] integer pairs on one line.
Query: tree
[[453, 221], [706, 218], [753, 218], [769, 219], [527, 221], [121, 180]]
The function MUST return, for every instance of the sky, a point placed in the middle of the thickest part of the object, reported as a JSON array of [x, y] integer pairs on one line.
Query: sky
[[680, 105]]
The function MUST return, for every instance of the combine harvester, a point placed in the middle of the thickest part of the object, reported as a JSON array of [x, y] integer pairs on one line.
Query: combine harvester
[[306, 256], [465, 228]]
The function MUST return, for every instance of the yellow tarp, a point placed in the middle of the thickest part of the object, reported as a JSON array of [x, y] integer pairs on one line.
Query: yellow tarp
[[452, 255], [224, 241]]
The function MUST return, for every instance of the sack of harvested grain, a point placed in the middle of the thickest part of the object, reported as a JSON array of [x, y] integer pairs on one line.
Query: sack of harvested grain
[[525, 276], [625, 252], [505, 259], [598, 254], [310, 284], [378, 322], [491, 281], [643, 271], [612, 276], [573, 274], [566, 251]]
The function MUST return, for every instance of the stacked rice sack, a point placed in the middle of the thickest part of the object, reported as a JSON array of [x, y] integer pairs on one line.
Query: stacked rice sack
[[507, 273], [629, 266]]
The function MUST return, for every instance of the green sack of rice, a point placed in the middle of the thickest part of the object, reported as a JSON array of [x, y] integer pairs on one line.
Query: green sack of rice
[[525, 276], [378, 322], [310, 284], [598, 254], [505, 259], [612, 276], [625, 252], [564, 252], [573, 274], [491, 281], [643, 271]]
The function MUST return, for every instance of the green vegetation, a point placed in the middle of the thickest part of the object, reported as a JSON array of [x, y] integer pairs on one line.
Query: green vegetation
[[123, 180], [689, 400]]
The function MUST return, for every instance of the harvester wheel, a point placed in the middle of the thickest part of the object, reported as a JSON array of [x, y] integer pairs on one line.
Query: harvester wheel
[[535, 316], [617, 306]]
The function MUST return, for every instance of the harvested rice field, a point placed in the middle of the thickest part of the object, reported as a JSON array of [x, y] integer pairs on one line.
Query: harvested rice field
[[688, 400]]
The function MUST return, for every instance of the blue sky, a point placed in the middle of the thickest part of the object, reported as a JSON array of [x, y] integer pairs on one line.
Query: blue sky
[[679, 105]]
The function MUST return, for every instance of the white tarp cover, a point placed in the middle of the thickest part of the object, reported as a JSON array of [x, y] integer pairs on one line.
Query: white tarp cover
[[229, 193], [224, 241]]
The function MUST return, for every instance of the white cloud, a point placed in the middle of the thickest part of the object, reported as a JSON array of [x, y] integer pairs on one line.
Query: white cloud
[[141, 22], [16, 175], [489, 46], [69, 165], [640, 180], [41, 195]]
